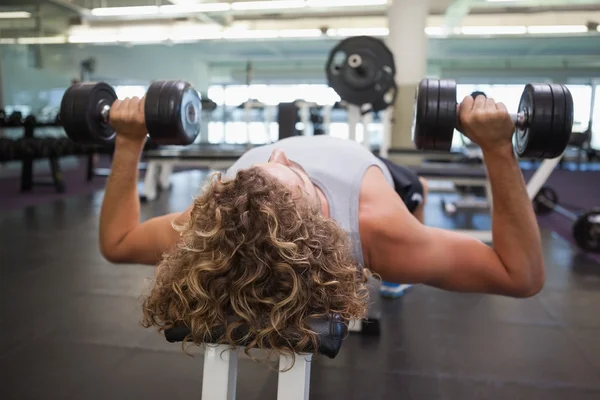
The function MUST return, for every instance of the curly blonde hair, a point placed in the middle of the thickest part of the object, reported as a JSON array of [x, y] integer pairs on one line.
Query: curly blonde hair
[[254, 255]]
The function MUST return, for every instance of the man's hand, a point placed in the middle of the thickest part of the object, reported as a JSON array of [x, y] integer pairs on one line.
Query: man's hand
[[486, 123], [128, 120]]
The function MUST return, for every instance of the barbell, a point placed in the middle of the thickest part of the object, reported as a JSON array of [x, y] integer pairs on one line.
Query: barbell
[[172, 113], [543, 122], [586, 227]]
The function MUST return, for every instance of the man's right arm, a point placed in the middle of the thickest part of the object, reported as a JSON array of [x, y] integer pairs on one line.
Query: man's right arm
[[123, 239]]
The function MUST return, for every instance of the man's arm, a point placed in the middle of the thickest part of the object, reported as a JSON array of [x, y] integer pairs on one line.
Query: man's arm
[[403, 250], [122, 238]]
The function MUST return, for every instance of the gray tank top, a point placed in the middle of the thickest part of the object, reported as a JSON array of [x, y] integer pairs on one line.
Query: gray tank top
[[336, 166]]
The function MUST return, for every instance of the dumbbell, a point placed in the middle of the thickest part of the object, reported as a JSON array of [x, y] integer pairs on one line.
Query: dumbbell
[[7, 149], [15, 119], [586, 227], [543, 121], [172, 113]]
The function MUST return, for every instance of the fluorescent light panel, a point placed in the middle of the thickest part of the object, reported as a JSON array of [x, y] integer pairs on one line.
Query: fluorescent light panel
[[557, 29], [14, 14], [268, 5]]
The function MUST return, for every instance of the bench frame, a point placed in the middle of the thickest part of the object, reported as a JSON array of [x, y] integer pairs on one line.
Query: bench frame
[[219, 380]]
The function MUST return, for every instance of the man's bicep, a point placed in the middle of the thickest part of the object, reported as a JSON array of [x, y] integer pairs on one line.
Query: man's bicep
[[443, 259], [151, 239]]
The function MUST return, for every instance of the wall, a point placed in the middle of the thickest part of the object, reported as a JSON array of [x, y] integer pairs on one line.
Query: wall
[[25, 84], [122, 65]]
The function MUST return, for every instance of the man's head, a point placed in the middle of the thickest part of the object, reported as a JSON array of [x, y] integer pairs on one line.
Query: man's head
[[256, 251]]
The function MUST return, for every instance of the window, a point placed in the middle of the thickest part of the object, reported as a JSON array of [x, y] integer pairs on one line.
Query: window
[[596, 121]]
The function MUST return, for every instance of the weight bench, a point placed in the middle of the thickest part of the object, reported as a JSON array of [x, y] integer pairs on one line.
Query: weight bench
[[161, 163], [220, 361]]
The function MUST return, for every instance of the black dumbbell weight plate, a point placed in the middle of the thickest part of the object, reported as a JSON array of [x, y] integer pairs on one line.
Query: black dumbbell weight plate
[[361, 70], [562, 124], [586, 231], [172, 111], [446, 116], [545, 200], [434, 118], [547, 115], [80, 113]]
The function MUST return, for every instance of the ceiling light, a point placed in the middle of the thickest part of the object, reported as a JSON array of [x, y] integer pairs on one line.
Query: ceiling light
[[14, 14], [125, 11], [347, 32], [557, 29], [300, 33], [493, 30], [42, 40], [345, 3], [250, 34], [195, 8], [268, 5]]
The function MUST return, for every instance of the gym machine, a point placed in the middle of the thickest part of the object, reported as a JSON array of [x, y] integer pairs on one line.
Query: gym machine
[[586, 225]]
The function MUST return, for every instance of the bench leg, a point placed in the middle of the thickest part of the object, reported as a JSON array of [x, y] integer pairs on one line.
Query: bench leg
[[294, 384], [150, 183], [220, 373]]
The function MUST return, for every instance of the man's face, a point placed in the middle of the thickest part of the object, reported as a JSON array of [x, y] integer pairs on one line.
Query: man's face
[[292, 175]]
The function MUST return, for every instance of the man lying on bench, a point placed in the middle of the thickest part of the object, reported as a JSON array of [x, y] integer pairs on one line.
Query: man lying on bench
[[292, 229]]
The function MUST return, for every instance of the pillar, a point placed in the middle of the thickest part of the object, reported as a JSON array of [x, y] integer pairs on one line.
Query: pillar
[[201, 81], [407, 20]]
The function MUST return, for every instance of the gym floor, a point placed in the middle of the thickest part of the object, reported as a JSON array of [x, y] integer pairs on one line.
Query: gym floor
[[70, 326]]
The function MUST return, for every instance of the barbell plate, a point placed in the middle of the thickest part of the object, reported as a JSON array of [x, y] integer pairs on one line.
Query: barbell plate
[[364, 85], [80, 113], [545, 200], [586, 231], [172, 111], [446, 121], [537, 102], [386, 100]]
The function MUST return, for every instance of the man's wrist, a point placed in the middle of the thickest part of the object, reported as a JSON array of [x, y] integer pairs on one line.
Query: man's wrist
[[505, 152]]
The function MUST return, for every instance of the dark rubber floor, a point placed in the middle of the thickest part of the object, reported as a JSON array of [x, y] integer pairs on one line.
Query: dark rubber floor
[[70, 326]]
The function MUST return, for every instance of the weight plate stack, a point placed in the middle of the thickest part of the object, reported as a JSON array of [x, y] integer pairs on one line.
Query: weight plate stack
[[586, 231], [80, 113], [545, 200], [172, 107]]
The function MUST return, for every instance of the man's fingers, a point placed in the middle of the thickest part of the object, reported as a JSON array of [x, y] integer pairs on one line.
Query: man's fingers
[[480, 102], [501, 107], [490, 103], [467, 103]]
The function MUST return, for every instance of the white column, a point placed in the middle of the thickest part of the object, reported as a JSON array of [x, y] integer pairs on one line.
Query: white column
[[407, 20]]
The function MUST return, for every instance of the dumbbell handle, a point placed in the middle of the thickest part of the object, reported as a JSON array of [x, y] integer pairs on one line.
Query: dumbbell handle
[[104, 112], [519, 119]]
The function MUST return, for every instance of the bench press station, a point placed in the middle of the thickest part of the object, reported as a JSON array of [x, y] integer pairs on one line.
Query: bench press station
[[221, 361]]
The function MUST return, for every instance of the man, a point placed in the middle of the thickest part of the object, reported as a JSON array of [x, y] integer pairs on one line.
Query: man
[[287, 232]]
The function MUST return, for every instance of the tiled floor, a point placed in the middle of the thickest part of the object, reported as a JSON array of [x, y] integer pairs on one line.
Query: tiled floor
[[70, 327]]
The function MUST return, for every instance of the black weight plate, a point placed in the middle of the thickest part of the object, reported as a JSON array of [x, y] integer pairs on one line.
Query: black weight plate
[[386, 100], [446, 122], [537, 102], [586, 231], [558, 138], [80, 113], [545, 200], [173, 112], [422, 114], [354, 85]]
